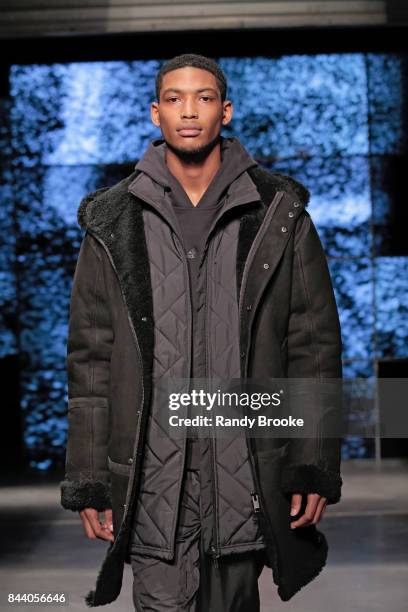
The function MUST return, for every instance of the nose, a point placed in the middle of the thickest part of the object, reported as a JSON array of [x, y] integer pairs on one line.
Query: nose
[[188, 109]]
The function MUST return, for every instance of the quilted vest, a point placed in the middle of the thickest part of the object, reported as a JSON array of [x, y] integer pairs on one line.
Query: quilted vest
[[228, 519]]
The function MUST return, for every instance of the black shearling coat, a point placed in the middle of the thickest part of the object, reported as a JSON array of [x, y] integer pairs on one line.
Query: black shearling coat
[[289, 327]]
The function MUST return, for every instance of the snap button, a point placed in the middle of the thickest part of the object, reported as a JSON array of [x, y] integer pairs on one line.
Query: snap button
[[130, 460], [144, 318], [266, 266], [191, 253], [291, 213], [112, 235], [295, 204], [249, 306], [284, 228]]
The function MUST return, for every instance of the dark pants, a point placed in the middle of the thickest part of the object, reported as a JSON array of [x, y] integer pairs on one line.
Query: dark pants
[[191, 582]]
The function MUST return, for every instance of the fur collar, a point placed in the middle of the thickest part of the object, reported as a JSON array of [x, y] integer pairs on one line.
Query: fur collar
[[101, 207]]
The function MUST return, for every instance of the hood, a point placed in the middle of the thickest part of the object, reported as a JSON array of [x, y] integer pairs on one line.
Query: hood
[[235, 160], [99, 208]]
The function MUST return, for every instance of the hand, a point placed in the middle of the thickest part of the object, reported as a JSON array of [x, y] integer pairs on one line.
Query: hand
[[314, 510], [94, 528]]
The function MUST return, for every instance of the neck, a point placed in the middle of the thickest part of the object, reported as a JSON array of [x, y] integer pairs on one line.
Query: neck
[[194, 173]]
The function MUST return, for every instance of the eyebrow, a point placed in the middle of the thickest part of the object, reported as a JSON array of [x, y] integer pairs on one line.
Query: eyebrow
[[197, 90]]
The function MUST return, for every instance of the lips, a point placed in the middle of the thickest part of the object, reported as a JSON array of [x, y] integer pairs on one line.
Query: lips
[[189, 131]]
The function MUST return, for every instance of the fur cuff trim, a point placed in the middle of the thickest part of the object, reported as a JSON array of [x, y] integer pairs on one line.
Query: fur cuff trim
[[312, 479], [79, 494]]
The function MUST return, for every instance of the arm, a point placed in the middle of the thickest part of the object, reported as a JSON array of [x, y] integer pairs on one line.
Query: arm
[[90, 338], [314, 351]]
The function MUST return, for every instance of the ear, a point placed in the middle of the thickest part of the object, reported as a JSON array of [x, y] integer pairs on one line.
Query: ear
[[155, 113], [227, 112]]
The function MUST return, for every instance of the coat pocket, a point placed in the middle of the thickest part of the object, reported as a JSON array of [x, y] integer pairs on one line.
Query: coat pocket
[[265, 452], [122, 469], [270, 464]]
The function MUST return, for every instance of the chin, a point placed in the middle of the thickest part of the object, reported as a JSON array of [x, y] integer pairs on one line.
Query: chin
[[191, 147]]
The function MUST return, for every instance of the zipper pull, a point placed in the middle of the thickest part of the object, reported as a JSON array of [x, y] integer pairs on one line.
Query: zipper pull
[[215, 557], [255, 502]]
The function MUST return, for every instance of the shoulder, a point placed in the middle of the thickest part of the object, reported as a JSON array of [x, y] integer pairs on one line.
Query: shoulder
[[82, 212], [103, 201]]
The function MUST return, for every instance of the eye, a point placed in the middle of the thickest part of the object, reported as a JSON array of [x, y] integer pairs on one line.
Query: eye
[[207, 97]]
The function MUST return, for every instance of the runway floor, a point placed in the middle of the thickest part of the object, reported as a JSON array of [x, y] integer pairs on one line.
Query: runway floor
[[44, 548]]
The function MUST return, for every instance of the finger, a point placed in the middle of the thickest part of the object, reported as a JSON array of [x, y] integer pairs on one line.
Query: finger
[[307, 517], [93, 517], [108, 524], [295, 503], [320, 510], [87, 526]]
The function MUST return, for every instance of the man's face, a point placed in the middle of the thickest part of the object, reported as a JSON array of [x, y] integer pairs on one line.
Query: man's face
[[190, 98]]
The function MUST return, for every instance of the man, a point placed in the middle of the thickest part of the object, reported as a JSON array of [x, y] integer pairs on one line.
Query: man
[[203, 264]]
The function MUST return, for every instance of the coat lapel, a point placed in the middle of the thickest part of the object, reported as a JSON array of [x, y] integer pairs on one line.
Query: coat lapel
[[267, 184], [115, 217], [262, 264]]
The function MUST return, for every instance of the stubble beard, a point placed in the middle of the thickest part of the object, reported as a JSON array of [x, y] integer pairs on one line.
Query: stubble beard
[[196, 155]]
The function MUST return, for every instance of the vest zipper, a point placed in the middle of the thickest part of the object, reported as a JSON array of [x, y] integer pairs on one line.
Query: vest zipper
[[255, 502], [181, 251], [215, 546]]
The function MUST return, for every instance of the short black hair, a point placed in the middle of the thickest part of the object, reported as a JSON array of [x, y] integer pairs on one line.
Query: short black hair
[[197, 61]]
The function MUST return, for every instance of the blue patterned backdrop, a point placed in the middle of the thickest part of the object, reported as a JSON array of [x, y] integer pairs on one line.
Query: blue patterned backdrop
[[333, 121]]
